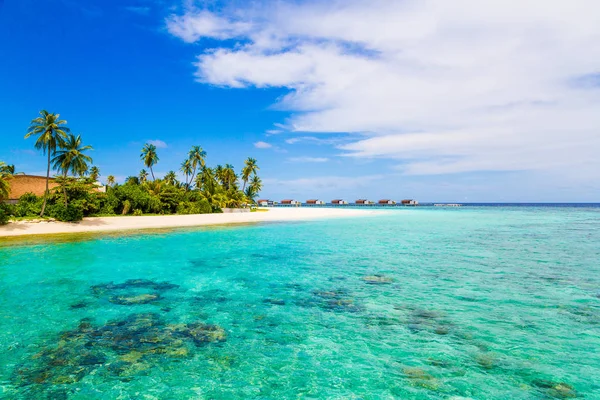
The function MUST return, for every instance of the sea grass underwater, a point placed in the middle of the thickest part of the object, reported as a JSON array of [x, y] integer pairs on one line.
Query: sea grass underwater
[[480, 303]]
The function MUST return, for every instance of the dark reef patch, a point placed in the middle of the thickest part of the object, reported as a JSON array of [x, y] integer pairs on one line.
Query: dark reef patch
[[132, 291], [121, 348]]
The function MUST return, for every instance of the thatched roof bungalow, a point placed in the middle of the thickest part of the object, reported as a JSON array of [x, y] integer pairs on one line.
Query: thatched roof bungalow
[[386, 201], [315, 202], [363, 202], [21, 184]]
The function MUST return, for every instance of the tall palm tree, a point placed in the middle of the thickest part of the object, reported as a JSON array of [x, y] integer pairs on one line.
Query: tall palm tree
[[219, 174], [71, 157], [197, 157], [133, 180], [254, 188], [171, 178], [94, 173], [206, 180], [230, 177], [5, 175], [149, 157], [188, 170], [51, 133], [250, 168], [110, 180], [143, 176]]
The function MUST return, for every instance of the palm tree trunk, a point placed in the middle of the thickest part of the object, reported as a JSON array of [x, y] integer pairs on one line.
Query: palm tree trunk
[[152, 172], [244, 187], [188, 186], [64, 185], [47, 190]]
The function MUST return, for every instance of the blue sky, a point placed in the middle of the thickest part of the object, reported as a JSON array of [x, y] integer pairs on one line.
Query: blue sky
[[352, 99]]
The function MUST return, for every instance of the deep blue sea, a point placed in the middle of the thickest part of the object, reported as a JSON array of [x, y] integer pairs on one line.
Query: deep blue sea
[[418, 303]]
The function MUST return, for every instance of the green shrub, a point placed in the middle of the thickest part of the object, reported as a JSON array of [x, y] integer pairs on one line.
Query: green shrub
[[69, 213], [187, 207], [109, 203], [29, 205], [137, 212], [4, 215], [204, 207]]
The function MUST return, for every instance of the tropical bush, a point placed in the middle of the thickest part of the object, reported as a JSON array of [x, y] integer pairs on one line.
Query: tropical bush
[[71, 212], [29, 205], [4, 214]]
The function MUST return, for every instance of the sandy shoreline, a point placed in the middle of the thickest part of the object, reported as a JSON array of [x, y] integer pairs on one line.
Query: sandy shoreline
[[108, 224]]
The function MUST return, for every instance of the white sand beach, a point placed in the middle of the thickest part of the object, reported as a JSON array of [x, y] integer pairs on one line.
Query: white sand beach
[[107, 224]]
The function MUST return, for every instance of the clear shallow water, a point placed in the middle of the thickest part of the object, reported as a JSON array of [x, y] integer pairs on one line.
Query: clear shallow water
[[482, 303]]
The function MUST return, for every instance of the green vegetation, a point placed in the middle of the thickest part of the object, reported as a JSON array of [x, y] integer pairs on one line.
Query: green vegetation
[[203, 189], [6, 172], [51, 132]]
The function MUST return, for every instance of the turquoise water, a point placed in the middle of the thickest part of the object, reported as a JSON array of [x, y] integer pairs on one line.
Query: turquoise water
[[480, 303]]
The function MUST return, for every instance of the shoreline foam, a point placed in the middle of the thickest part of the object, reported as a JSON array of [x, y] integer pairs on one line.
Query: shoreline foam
[[127, 223]]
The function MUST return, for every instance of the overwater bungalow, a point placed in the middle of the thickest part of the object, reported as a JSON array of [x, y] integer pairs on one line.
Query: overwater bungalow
[[386, 202], [289, 202], [315, 202], [263, 202], [339, 202], [362, 202], [409, 202]]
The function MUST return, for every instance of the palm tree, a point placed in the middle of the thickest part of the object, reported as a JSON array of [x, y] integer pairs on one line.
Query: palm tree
[[71, 158], [188, 170], [206, 180], [254, 188], [219, 174], [143, 176], [229, 176], [133, 180], [110, 180], [51, 132], [149, 157], [5, 175], [171, 178], [197, 157], [94, 173], [250, 168]]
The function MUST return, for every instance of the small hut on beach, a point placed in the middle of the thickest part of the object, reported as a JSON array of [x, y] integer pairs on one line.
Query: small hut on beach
[[263, 202], [339, 202], [315, 202]]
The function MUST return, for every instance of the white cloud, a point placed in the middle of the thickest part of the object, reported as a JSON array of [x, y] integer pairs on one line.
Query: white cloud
[[195, 25], [315, 140], [274, 131], [158, 143], [308, 159], [441, 87], [263, 145]]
